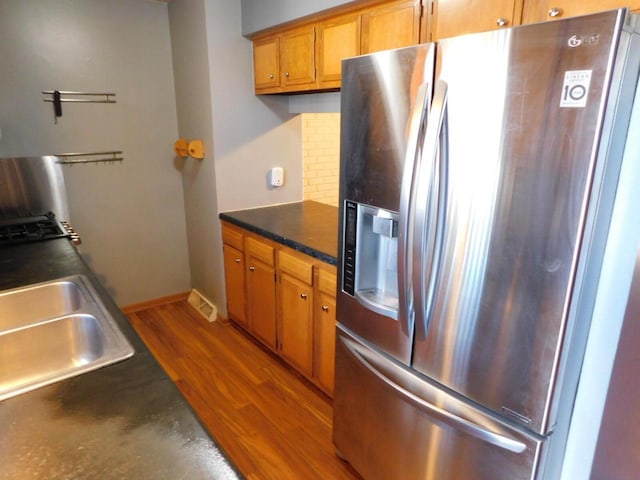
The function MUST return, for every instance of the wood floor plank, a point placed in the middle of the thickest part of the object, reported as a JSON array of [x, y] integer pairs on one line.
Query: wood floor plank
[[271, 422]]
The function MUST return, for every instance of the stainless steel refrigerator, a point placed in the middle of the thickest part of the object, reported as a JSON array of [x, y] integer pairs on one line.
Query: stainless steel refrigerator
[[478, 179]]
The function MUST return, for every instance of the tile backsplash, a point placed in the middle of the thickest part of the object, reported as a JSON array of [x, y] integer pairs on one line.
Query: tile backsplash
[[321, 157]]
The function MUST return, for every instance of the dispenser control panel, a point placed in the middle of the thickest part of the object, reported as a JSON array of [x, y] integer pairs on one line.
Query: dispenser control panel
[[349, 258]]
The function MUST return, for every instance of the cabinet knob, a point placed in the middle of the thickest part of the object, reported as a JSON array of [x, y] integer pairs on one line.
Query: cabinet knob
[[271, 76], [303, 296], [286, 74], [555, 12], [252, 268], [325, 308], [501, 22], [237, 260]]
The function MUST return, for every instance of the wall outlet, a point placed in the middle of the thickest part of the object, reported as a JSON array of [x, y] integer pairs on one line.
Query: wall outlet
[[277, 176]]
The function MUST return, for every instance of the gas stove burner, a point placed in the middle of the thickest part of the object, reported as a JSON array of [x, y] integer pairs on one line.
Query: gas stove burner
[[34, 229]]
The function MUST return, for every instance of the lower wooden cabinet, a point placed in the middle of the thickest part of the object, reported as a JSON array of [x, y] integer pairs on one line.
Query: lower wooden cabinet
[[325, 328], [295, 310], [234, 275], [288, 301]]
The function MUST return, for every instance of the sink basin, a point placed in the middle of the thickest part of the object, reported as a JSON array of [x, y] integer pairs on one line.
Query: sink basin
[[32, 304], [52, 331]]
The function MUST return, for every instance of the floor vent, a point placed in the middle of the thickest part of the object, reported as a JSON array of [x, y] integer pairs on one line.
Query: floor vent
[[207, 309]]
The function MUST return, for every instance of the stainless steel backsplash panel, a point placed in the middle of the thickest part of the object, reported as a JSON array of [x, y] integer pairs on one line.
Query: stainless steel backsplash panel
[[32, 186]]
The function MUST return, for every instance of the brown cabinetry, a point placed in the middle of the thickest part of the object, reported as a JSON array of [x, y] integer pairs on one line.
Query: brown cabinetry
[[261, 294], [285, 62], [266, 63], [338, 38], [458, 17], [235, 281], [297, 58], [285, 299], [234, 272], [542, 10], [308, 57], [325, 328], [391, 25], [295, 289]]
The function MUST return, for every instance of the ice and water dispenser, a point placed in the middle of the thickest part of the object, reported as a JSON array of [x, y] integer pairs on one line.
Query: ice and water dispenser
[[370, 259]]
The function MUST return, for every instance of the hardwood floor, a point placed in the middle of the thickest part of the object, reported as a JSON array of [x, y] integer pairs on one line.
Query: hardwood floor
[[271, 423]]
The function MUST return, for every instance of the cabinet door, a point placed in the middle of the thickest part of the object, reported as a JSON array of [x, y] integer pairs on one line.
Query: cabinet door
[[391, 26], [325, 340], [457, 17], [337, 39], [562, 9], [235, 284], [296, 323], [266, 63], [261, 299], [297, 57]]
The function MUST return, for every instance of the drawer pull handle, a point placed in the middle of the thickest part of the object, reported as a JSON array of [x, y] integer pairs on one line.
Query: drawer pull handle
[[303, 296], [325, 308]]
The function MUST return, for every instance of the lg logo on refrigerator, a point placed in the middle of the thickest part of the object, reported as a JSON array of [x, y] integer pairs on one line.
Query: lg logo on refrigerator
[[578, 40]]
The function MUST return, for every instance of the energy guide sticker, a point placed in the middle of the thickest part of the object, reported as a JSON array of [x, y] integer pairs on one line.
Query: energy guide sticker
[[575, 88]]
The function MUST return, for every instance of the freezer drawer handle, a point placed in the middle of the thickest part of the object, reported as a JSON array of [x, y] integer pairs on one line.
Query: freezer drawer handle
[[455, 421]]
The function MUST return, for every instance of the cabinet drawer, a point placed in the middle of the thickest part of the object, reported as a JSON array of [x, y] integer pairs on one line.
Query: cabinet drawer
[[259, 250], [327, 282], [232, 237], [296, 267]]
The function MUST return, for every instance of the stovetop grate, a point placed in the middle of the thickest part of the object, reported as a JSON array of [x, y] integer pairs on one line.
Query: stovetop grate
[[31, 230]]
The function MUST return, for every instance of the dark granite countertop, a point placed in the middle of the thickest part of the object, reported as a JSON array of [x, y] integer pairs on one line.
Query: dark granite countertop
[[309, 227], [123, 421]]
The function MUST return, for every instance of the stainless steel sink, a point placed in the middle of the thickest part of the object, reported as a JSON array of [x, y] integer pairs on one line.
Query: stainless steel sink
[[32, 304], [52, 331]]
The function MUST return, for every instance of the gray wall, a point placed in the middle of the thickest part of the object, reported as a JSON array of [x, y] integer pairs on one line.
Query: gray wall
[[131, 215], [193, 98], [260, 14], [244, 135]]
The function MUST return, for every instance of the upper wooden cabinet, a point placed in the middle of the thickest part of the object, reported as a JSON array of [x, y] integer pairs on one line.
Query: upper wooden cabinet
[[266, 63], [458, 17], [542, 10], [297, 58], [392, 25], [285, 62], [338, 39], [308, 57]]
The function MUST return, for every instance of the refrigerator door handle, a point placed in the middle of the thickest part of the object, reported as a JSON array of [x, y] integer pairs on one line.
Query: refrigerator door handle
[[429, 211], [456, 421], [419, 114]]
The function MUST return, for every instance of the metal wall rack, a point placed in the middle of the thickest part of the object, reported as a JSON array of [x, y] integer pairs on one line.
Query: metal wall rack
[[75, 158], [58, 97], [105, 97]]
